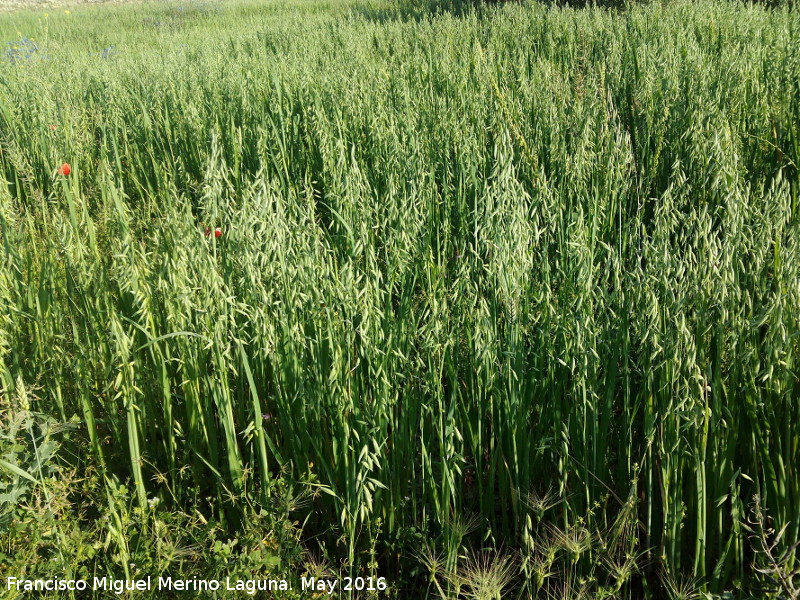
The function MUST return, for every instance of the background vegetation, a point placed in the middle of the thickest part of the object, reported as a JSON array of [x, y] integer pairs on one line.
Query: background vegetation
[[506, 301]]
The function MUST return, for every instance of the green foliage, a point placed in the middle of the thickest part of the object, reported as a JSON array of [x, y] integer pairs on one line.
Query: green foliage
[[775, 560], [58, 526], [31, 487], [464, 257]]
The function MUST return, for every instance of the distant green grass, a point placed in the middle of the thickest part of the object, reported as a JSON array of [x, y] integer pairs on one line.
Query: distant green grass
[[523, 279]]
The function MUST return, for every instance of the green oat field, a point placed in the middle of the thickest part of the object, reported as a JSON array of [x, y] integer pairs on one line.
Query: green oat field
[[476, 301]]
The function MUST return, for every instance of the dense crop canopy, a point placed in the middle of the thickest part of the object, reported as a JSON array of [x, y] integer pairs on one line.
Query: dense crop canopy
[[467, 259]]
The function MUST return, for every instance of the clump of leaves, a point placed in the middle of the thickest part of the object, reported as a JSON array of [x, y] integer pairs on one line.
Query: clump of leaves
[[32, 486], [775, 558]]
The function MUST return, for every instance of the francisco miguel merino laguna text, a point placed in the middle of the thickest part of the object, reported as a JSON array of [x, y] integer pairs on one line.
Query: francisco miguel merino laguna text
[[118, 586]]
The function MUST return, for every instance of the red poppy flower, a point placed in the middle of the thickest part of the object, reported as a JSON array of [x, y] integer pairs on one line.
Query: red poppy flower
[[217, 231], [64, 169]]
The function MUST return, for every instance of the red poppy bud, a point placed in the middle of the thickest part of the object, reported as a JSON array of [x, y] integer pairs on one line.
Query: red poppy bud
[[64, 169]]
